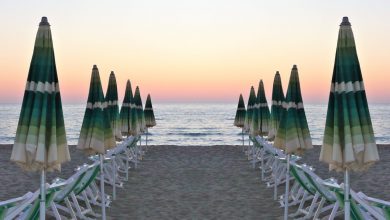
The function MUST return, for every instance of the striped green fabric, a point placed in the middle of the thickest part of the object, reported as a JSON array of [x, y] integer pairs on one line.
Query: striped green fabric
[[277, 109], [239, 120], [96, 135], [112, 106], [150, 120], [349, 141], [128, 114], [261, 114], [249, 111], [293, 134], [40, 141], [140, 110]]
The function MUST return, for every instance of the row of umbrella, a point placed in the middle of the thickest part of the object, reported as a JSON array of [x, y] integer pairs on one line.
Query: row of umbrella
[[40, 142], [348, 143]]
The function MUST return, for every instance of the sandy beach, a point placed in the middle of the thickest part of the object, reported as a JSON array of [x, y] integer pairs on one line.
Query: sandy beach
[[194, 182]]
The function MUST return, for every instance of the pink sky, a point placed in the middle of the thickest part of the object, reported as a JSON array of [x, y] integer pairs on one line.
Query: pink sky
[[195, 50]]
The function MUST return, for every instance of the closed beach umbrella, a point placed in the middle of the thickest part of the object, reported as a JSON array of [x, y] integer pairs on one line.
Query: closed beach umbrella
[[96, 135], [112, 105], [40, 141], [349, 142], [293, 134], [140, 110], [276, 107], [150, 120], [263, 112], [128, 113], [249, 112], [254, 125], [240, 116]]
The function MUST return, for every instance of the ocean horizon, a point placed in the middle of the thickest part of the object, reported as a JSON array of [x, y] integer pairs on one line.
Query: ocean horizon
[[194, 123]]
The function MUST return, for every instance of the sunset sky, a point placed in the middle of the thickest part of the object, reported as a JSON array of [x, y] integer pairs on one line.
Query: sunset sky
[[194, 50]]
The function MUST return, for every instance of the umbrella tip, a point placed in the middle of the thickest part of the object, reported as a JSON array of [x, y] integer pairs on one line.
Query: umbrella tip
[[44, 22], [345, 22], [94, 67], [295, 67]]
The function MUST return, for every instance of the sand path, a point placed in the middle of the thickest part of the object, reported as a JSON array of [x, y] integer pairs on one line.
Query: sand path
[[178, 182]]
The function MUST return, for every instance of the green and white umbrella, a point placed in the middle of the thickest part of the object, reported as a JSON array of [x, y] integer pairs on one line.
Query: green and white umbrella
[[40, 141], [112, 105], [263, 115], [277, 109], [140, 111], [96, 135], [150, 120], [239, 120], [293, 134], [249, 112], [128, 114], [349, 142], [254, 125]]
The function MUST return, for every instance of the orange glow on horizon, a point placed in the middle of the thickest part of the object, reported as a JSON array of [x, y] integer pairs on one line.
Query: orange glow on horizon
[[195, 51]]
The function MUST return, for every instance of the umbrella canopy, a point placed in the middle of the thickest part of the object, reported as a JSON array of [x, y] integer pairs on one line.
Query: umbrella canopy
[[240, 113], [293, 134], [254, 125], [40, 141], [277, 109], [349, 141], [128, 113], [96, 135], [261, 114], [150, 120], [112, 106], [249, 112], [140, 111]]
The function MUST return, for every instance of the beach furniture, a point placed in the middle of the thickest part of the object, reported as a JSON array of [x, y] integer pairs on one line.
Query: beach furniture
[[112, 104], [381, 206], [293, 134], [11, 204], [96, 134], [248, 118], [40, 141], [358, 211], [65, 199], [261, 113], [150, 120], [239, 119], [30, 207], [276, 107], [272, 164], [349, 142], [323, 200], [140, 110]]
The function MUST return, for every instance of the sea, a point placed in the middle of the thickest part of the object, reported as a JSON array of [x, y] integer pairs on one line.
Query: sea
[[194, 123]]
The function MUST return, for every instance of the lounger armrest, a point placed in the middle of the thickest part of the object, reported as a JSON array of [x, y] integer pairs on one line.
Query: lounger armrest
[[365, 204], [374, 200], [14, 200]]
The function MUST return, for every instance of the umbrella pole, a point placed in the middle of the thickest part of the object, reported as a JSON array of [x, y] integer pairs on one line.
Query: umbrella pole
[[114, 179], [347, 205], [242, 132], [147, 138], [102, 188], [287, 188], [42, 207], [262, 163]]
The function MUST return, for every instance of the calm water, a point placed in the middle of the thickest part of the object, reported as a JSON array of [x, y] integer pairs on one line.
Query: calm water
[[194, 124]]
